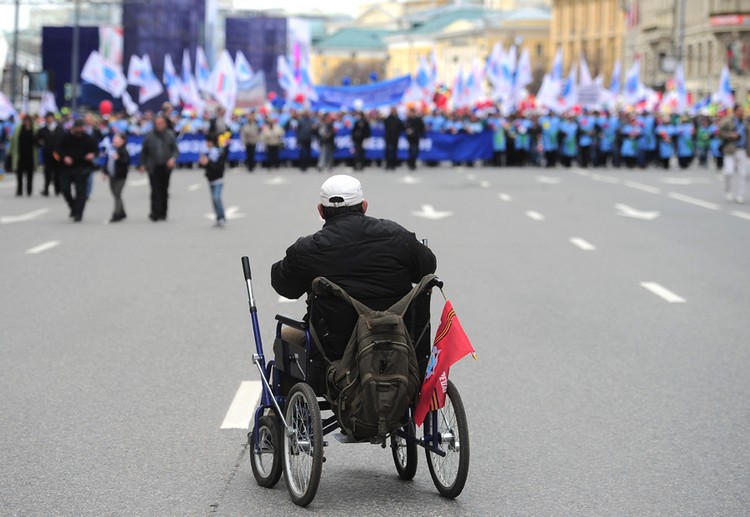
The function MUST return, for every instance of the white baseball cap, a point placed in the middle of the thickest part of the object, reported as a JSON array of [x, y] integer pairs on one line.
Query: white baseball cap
[[341, 190]]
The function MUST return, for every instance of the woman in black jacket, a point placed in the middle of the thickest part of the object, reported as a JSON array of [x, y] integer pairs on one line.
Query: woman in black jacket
[[118, 163]]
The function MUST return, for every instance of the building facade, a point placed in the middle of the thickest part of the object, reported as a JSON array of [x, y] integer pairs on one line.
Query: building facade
[[592, 28]]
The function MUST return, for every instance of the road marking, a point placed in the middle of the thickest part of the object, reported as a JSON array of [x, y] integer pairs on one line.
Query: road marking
[[140, 182], [584, 245], [285, 300], [276, 180], [8, 219], [505, 197], [194, 187], [42, 247], [429, 212], [662, 292], [231, 212], [605, 179], [548, 180], [484, 184], [627, 211], [7, 185], [641, 186], [685, 181], [471, 176], [536, 216], [694, 201], [741, 215], [242, 409], [580, 172]]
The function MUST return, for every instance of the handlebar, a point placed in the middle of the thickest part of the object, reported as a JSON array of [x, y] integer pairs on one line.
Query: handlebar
[[246, 268]]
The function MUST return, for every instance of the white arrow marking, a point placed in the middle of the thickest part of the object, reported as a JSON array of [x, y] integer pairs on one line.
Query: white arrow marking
[[242, 409], [276, 180], [536, 216], [685, 181], [504, 197], [741, 215], [141, 182], [285, 300], [641, 186], [230, 213], [605, 179], [42, 247], [626, 211], [410, 180], [694, 201], [194, 187], [584, 245], [8, 219], [429, 212], [548, 180], [662, 292]]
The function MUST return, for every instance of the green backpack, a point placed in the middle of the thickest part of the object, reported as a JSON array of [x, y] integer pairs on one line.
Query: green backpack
[[371, 386]]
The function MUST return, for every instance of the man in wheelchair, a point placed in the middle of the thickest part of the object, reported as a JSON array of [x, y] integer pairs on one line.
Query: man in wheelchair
[[375, 261]]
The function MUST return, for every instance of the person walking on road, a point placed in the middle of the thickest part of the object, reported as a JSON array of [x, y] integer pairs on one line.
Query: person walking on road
[[306, 128], [158, 158], [48, 138], [393, 128], [116, 170], [733, 134], [250, 134], [78, 151], [272, 135], [326, 143], [360, 132], [414, 129], [24, 154], [214, 162]]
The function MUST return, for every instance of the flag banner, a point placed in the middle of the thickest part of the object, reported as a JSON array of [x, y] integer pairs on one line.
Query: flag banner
[[151, 86], [136, 71], [202, 71], [48, 103], [252, 93], [242, 70], [433, 147], [6, 108], [223, 83], [171, 80], [111, 44], [375, 95], [103, 75], [450, 345]]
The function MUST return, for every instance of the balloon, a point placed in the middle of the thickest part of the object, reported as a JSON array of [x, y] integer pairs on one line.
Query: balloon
[[373, 76], [271, 96], [346, 80], [105, 107], [299, 98]]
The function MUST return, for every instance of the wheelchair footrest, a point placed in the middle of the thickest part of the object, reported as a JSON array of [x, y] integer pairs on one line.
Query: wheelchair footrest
[[345, 438]]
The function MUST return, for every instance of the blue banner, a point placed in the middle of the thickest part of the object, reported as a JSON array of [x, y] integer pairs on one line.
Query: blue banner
[[375, 95], [435, 147]]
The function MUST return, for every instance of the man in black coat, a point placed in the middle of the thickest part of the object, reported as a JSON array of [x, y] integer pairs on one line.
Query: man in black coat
[[360, 132], [393, 129], [158, 158], [77, 150], [414, 133], [49, 138], [376, 261]]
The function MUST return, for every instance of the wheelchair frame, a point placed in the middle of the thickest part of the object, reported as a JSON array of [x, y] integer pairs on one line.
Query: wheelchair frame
[[435, 441]]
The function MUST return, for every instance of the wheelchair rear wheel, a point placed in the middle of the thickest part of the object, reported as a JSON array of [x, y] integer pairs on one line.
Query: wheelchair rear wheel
[[449, 472], [266, 461], [405, 453], [303, 444]]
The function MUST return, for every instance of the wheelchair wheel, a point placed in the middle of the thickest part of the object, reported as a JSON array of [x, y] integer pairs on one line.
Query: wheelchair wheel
[[266, 461], [303, 444], [405, 454], [449, 472]]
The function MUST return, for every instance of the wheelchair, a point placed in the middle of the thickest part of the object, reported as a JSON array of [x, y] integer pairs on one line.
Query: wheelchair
[[292, 420]]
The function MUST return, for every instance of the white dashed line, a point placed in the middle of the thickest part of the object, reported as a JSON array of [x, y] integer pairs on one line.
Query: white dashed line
[[484, 184], [140, 182], [605, 179], [243, 405], [584, 245], [693, 201], [194, 187], [548, 180], [741, 215], [8, 219], [642, 187], [505, 197], [42, 247], [536, 216], [662, 292], [580, 172]]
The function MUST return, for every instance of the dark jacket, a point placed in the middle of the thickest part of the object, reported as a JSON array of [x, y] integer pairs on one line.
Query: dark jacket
[[215, 168], [414, 128], [374, 260], [393, 128], [158, 148], [122, 164], [77, 148], [306, 128], [361, 130], [49, 140]]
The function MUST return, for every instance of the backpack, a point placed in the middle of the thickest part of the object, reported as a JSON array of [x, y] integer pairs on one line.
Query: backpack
[[377, 378]]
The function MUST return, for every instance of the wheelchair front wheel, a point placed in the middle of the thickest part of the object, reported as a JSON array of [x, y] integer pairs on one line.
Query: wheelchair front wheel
[[266, 460], [449, 472], [303, 444], [405, 454]]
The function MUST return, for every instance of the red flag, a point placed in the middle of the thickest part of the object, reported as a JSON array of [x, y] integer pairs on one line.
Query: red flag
[[451, 344]]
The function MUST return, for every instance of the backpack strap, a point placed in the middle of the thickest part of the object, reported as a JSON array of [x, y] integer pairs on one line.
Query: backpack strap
[[401, 306]]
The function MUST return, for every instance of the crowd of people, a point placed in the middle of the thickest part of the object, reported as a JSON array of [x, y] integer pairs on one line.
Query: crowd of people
[[71, 147]]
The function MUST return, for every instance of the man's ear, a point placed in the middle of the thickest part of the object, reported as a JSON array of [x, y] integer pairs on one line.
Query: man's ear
[[364, 206], [320, 210]]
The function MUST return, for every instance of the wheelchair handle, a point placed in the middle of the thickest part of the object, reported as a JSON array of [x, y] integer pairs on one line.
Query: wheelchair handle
[[248, 282], [246, 268]]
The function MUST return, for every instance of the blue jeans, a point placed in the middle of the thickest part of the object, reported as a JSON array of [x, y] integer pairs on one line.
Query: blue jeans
[[216, 198]]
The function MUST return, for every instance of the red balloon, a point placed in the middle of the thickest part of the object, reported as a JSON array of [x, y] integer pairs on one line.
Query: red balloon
[[271, 96], [105, 107], [300, 98]]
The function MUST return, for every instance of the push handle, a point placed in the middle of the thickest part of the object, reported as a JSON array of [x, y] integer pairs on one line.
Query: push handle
[[246, 268]]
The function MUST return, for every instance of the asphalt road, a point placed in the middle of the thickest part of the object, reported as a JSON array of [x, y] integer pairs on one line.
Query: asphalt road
[[123, 345]]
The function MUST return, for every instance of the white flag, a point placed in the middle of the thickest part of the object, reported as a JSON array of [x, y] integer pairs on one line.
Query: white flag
[[585, 74], [103, 75], [151, 86], [129, 104], [202, 71], [6, 108], [223, 82], [242, 69], [171, 80], [48, 103]]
